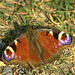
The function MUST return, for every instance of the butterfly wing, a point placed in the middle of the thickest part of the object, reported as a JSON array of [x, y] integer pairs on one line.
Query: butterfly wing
[[50, 48], [17, 51], [22, 50]]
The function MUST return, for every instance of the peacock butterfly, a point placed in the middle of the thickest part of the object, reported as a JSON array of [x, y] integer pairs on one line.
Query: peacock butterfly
[[36, 47]]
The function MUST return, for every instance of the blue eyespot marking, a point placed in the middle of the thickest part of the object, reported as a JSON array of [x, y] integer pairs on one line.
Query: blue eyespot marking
[[8, 57], [67, 41]]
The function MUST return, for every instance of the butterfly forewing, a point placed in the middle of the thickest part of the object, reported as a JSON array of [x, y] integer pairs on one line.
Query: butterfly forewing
[[22, 49]]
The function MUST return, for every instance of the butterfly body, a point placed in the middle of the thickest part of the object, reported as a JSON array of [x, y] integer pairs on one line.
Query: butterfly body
[[36, 46]]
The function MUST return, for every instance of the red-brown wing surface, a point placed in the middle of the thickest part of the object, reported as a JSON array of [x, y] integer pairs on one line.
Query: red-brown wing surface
[[49, 45], [22, 49], [27, 50]]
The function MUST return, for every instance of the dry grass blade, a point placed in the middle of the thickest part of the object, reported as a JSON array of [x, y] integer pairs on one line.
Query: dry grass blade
[[44, 0], [1, 6], [65, 11], [6, 14], [2, 27], [22, 13], [72, 11], [13, 2], [51, 18], [19, 3], [3, 24], [74, 56]]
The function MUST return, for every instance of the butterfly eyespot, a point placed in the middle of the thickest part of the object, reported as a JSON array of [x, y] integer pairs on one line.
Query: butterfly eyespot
[[8, 54], [64, 38]]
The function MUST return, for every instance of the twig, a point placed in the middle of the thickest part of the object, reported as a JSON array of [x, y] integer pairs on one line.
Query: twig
[[33, 67]]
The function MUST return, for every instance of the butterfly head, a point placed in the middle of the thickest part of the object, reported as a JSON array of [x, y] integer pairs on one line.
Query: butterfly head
[[8, 54], [64, 38]]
